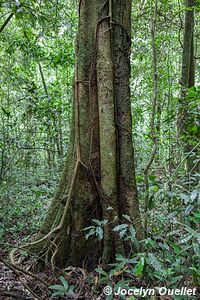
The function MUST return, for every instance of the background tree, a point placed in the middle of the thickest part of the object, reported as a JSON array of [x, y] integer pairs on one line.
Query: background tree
[[188, 117]]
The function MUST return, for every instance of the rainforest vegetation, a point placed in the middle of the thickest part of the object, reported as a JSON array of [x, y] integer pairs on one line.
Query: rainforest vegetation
[[99, 149]]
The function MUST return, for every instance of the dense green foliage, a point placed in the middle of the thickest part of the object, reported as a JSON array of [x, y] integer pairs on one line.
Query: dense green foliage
[[37, 56], [36, 67]]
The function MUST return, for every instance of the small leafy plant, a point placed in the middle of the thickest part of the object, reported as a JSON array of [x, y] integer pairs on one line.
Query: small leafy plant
[[96, 229], [62, 289]]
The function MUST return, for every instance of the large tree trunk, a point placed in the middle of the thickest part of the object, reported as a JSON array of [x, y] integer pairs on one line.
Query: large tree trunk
[[186, 118], [99, 169]]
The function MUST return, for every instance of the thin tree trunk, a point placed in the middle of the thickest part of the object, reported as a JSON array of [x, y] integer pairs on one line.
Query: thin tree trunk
[[153, 128], [6, 22], [185, 117], [11, 15]]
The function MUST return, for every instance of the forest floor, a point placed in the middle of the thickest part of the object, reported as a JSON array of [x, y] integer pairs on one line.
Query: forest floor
[[12, 284], [20, 286], [23, 287], [17, 284]]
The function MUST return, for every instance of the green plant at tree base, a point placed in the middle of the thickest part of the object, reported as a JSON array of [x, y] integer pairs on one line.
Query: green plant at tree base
[[166, 259], [64, 289]]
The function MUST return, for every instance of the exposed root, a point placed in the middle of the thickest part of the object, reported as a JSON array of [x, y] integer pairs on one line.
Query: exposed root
[[19, 271], [8, 264]]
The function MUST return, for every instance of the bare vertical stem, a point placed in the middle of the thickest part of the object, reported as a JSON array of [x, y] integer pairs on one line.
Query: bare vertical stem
[[153, 116]]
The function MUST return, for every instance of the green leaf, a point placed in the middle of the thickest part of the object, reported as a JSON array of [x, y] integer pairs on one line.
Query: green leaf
[[101, 271], [99, 233], [194, 195], [91, 232], [57, 287], [185, 239], [64, 282], [140, 267], [109, 208], [100, 222], [120, 227], [195, 217], [155, 263], [185, 198], [89, 227], [190, 230], [132, 231], [196, 249], [128, 218], [189, 209], [122, 233], [176, 247], [121, 258], [154, 188]]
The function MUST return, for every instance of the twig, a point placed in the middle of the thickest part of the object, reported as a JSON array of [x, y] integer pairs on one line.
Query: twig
[[9, 18], [6, 22]]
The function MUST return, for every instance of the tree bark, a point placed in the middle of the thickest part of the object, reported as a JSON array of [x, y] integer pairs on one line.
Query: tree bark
[[185, 117], [99, 169]]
